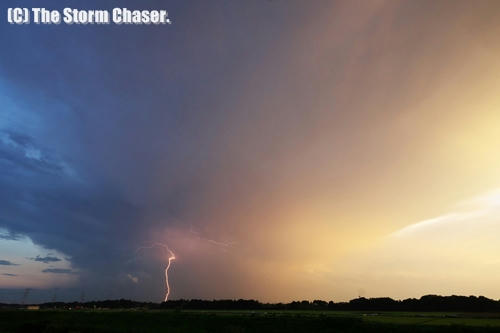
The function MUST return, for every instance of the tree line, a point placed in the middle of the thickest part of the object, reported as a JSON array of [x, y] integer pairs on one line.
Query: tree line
[[425, 303]]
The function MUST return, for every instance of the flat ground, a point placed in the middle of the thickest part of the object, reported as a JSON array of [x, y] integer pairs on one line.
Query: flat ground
[[242, 321]]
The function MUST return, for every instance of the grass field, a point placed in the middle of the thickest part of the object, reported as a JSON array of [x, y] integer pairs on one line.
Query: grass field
[[241, 321]]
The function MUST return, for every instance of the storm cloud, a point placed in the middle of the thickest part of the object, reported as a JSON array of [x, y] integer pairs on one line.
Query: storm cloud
[[46, 260], [237, 136], [58, 271]]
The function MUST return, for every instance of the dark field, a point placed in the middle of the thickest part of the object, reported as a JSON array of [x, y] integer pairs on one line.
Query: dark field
[[241, 321]]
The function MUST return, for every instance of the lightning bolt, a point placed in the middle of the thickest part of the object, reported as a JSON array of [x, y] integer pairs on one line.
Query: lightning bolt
[[170, 256], [223, 245]]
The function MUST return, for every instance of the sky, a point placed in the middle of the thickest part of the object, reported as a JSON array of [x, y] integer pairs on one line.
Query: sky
[[282, 150]]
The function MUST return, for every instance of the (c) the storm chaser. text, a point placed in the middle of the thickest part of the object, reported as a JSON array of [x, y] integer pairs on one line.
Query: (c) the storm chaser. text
[[80, 16]]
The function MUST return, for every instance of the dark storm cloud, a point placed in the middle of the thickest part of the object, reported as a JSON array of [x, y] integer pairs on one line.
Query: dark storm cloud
[[97, 117], [7, 263], [111, 132], [46, 260], [21, 153], [85, 123], [58, 271]]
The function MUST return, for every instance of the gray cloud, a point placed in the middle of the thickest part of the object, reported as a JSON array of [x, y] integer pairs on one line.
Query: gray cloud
[[46, 260], [9, 274], [7, 263], [58, 271]]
